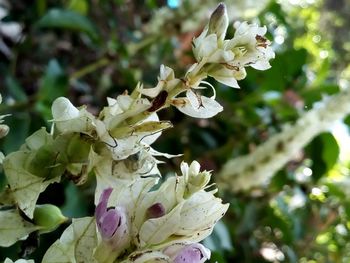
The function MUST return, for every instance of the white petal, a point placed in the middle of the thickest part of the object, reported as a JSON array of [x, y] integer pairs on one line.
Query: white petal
[[124, 102], [200, 212], [166, 73], [156, 230], [152, 92], [194, 168], [63, 109], [206, 47], [184, 169], [193, 98], [226, 76], [166, 155], [261, 65], [209, 108]]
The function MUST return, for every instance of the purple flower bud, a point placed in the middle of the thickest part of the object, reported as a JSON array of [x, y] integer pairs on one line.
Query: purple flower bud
[[155, 211], [111, 222], [113, 226], [101, 208], [193, 253]]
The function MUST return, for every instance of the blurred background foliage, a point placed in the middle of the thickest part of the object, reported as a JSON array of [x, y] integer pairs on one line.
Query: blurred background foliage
[[90, 49]]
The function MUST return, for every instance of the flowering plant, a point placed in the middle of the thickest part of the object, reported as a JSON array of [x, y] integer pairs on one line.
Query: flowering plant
[[138, 217]]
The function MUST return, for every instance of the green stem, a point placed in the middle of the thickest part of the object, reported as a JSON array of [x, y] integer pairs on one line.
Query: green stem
[[90, 68], [132, 50]]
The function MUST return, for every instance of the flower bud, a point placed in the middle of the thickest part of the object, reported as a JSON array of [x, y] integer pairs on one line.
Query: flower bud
[[218, 22], [63, 109], [4, 130], [109, 223], [155, 211], [112, 223], [68, 118], [195, 180], [49, 217], [192, 253]]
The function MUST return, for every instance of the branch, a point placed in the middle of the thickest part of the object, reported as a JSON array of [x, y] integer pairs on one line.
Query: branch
[[258, 167]]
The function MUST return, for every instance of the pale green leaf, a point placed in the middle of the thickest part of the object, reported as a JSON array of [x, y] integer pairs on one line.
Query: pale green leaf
[[76, 244], [13, 227], [25, 186], [37, 139]]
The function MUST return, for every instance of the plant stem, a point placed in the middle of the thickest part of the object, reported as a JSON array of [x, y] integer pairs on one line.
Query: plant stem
[[90, 68], [257, 168]]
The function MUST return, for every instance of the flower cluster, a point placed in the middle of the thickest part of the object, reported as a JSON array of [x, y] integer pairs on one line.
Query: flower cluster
[[133, 222], [223, 59], [138, 224]]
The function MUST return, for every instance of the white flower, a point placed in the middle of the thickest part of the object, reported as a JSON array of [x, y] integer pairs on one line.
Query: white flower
[[225, 60], [68, 118], [180, 210], [197, 106], [193, 178], [120, 137], [227, 74], [250, 47], [121, 108], [166, 81], [207, 48], [208, 45]]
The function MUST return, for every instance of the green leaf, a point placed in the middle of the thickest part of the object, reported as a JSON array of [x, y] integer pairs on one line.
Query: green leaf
[[285, 69], [75, 202], [78, 149], [220, 239], [38, 139], [15, 89], [25, 186], [313, 95], [41, 6], [19, 129], [13, 227], [324, 152], [79, 6], [69, 20], [330, 151]]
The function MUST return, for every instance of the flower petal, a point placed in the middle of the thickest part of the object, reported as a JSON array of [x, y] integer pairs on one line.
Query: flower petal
[[108, 224], [208, 108]]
